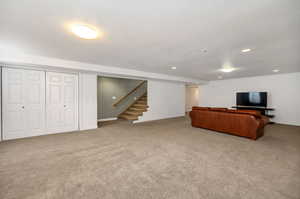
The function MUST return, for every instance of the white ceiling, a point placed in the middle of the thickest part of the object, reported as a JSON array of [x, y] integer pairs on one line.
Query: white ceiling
[[157, 34]]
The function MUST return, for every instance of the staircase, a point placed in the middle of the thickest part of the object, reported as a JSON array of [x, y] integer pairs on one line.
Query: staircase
[[136, 109]]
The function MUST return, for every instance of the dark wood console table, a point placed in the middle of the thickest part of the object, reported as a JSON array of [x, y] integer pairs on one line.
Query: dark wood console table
[[263, 110]]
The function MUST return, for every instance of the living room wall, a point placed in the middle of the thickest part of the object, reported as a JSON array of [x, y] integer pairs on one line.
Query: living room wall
[[283, 94], [165, 99]]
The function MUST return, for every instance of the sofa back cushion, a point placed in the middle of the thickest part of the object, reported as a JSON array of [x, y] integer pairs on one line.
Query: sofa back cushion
[[221, 109], [250, 112], [209, 108], [200, 108], [218, 109]]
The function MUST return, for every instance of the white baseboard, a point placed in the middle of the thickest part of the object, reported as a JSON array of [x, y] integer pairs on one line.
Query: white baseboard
[[158, 118], [88, 128], [107, 119]]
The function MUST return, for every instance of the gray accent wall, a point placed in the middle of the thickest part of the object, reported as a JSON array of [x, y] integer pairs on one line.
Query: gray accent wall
[[109, 87]]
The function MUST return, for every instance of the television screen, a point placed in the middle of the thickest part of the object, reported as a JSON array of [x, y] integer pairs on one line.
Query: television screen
[[251, 99]]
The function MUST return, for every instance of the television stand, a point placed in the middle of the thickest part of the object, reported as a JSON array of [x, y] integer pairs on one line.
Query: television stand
[[263, 110]]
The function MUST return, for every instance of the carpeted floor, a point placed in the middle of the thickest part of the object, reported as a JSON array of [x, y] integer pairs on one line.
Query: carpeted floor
[[161, 159]]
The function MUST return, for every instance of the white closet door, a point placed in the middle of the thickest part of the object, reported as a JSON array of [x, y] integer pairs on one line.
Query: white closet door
[[87, 101], [35, 101], [23, 103], [70, 111], [61, 102]]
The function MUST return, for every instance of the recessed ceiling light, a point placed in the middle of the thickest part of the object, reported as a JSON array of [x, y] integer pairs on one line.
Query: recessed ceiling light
[[246, 50], [227, 70], [173, 68], [276, 70], [84, 31]]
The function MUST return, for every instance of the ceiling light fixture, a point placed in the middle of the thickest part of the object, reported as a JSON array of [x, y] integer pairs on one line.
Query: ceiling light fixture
[[220, 77], [173, 68], [246, 50], [276, 70], [84, 31], [227, 70]]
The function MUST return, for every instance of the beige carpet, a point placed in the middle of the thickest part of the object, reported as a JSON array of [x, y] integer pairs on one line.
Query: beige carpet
[[162, 159]]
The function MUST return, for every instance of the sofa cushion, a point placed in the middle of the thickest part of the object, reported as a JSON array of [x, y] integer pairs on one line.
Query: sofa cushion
[[200, 108], [253, 112], [218, 109], [249, 112]]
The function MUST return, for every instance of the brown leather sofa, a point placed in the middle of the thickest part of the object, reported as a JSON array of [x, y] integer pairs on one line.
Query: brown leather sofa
[[246, 123]]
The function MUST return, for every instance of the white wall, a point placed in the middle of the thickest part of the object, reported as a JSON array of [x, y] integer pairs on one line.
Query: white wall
[[165, 100], [191, 97], [0, 103], [87, 101], [283, 94]]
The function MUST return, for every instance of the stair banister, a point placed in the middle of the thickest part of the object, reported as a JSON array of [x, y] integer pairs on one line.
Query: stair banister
[[129, 93]]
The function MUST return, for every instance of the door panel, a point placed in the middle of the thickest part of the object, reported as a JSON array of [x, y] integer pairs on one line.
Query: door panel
[[15, 75], [69, 94], [54, 120], [71, 102], [69, 118], [23, 103], [55, 94], [62, 103], [54, 101], [13, 100], [15, 93], [34, 94], [35, 101], [11, 118]]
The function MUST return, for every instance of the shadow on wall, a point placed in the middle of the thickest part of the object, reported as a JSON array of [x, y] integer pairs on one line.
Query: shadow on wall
[[110, 90]]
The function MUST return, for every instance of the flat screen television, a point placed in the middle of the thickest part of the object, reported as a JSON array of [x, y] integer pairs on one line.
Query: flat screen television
[[251, 99]]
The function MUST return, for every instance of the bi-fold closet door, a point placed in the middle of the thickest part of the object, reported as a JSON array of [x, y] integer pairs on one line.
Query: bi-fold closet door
[[61, 102], [38, 102], [23, 100]]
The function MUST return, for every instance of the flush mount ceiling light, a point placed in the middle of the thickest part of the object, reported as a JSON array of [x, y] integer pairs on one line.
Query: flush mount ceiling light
[[227, 70], [173, 68], [276, 70], [84, 31], [246, 50]]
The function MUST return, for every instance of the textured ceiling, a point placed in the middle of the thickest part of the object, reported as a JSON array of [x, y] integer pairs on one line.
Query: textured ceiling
[[155, 35]]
